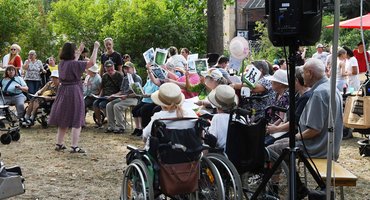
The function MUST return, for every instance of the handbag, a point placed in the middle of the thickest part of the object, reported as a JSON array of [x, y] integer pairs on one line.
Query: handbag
[[180, 178], [357, 112]]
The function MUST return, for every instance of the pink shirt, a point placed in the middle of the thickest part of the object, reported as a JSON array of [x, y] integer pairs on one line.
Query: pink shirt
[[194, 79]]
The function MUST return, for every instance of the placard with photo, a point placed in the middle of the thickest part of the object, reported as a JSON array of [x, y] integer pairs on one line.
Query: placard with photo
[[201, 65], [160, 56], [252, 76], [149, 55], [137, 88], [159, 72], [235, 63]]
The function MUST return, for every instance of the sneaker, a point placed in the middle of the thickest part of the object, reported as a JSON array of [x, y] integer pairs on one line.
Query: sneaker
[[109, 130], [27, 122], [119, 131], [77, 150]]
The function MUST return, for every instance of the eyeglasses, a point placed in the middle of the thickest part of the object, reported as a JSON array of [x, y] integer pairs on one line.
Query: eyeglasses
[[13, 49]]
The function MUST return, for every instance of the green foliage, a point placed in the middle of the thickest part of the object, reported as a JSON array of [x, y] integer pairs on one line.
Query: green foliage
[[24, 22], [266, 50], [135, 25]]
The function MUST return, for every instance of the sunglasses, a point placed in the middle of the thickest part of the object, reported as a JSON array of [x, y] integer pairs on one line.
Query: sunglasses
[[13, 49]]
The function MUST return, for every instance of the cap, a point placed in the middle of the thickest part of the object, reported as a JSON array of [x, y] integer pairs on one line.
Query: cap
[[129, 64], [319, 46], [108, 63]]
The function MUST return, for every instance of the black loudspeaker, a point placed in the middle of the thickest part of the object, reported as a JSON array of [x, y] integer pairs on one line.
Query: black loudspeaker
[[294, 22]]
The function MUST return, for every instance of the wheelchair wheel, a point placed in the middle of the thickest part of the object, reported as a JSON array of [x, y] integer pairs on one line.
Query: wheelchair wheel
[[6, 138], [137, 183], [102, 117], [230, 176], [15, 135], [276, 188], [210, 182]]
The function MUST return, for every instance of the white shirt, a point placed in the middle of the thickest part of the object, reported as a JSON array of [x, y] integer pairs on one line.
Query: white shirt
[[179, 124], [321, 56], [6, 60], [219, 127], [353, 80]]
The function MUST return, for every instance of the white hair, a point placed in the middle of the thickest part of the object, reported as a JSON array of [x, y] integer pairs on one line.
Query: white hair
[[317, 67]]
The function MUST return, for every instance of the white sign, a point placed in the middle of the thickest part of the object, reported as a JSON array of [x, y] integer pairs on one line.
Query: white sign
[[243, 34]]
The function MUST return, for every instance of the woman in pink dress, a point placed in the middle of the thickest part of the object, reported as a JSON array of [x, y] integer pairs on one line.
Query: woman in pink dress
[[68, 110]]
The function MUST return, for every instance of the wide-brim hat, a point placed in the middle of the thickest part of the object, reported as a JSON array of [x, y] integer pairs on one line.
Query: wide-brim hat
[[239, 47], [280, 76], [94, 68], [223, 96], [214, 73], [55, 74], [168, 94]]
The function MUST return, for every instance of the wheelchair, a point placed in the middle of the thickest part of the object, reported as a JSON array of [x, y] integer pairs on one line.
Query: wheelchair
[[42, 114], [246, 161], [9, 125], [142, 180]]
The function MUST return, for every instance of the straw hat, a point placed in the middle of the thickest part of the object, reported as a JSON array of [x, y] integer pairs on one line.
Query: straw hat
[[55, 74], [280, 76], [168, 94], [94, 68], [223, 97], [239, 47]]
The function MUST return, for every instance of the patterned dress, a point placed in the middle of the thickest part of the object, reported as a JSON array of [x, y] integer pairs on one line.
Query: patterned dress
[[69, 109]]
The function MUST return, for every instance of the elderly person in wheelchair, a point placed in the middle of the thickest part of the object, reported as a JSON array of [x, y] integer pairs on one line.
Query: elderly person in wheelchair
[[173, 146], [224, 99], [170, 98], [12, 88], [44, 95]]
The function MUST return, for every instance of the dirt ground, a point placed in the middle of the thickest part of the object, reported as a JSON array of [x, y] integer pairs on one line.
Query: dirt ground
[[98, 174]]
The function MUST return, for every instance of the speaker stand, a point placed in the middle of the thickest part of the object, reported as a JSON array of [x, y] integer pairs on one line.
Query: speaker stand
[[292, 150]]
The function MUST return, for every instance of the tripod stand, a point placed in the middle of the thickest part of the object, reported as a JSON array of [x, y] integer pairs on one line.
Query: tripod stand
[[292, 150]]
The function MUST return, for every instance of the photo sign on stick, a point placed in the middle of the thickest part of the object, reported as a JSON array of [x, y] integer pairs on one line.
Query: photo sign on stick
[[251, 77]]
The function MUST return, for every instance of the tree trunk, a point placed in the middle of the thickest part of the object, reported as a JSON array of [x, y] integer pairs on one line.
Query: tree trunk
[[215, 32]]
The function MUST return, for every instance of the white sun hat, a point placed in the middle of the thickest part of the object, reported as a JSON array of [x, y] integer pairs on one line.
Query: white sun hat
[[223, 96], [280, 76], [167, 95]]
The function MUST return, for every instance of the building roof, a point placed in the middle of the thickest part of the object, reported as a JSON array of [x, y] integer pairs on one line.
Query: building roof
[[255, 4]]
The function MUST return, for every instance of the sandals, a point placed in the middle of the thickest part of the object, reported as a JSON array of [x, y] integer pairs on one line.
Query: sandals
[[77, 150], [60, 147]]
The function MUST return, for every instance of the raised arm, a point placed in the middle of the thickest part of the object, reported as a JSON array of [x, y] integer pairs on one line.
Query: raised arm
[[94, 54]]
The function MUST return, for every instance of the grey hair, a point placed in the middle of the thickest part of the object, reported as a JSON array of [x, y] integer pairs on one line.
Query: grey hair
[[317, 67], [262, 66], [341, 51]]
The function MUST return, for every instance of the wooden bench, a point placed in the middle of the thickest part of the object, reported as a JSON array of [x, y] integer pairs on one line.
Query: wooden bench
[[343, 177]]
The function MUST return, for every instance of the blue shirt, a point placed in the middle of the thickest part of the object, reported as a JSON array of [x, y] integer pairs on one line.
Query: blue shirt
[[11, 89], [149, 88]]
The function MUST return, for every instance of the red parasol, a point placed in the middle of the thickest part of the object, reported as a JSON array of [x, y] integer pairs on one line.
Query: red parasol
[[355, 23]]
